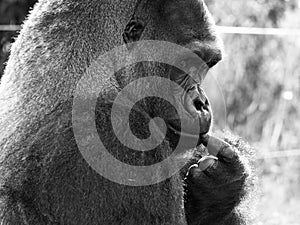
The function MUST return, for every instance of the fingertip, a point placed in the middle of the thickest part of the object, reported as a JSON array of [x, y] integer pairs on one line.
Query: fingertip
[[227, 152], [215, 145], [206, 162], [193, 170]]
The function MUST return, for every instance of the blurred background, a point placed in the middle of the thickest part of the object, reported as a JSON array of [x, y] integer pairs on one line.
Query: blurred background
[[260, 81]]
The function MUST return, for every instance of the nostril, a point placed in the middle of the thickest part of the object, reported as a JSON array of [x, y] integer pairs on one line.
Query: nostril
[[206, 102], [201, 103], [198, 104]]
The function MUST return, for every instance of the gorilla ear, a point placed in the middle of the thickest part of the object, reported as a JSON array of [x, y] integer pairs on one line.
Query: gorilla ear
[[133, 30]]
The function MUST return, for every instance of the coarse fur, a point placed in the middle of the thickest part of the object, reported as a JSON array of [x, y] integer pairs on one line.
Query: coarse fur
[[43, 176]]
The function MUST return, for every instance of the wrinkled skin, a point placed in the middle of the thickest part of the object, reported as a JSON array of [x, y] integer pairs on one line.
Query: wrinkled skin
[[43, 176]]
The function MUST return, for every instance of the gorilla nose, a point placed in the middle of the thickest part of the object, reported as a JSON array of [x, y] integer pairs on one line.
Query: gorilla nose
[[211, 56]]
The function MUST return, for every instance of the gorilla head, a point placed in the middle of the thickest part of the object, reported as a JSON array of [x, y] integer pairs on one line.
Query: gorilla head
[[188, 24], [44, 178]]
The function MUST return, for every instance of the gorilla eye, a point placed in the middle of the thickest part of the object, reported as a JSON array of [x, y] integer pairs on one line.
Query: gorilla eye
[[133, 30]]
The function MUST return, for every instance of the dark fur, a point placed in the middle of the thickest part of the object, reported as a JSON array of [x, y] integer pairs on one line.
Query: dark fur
[[43, 177], [215, 195]]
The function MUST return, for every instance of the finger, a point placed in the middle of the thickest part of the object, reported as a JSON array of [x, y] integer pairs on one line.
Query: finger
[[202, 165], [215, 145], [219, 148], [227, 154], [206, 162]]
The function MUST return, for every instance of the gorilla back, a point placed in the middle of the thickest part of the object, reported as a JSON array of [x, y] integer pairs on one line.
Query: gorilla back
[[44, 178]]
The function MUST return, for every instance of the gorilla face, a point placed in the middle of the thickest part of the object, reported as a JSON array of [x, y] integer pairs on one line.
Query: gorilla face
[[189, 24]]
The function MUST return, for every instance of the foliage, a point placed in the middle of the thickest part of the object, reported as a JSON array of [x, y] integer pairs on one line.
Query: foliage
[[260, 80], [261, 73]]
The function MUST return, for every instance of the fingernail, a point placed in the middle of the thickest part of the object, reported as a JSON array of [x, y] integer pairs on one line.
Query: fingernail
[[193, 170], [215, 145], [206, 162], [227, 152]]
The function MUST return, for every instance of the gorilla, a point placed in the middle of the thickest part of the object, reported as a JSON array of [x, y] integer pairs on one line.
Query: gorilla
[[44, 177]]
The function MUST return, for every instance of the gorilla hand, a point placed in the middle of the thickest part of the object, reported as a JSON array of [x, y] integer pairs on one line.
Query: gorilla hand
[[215, 185]]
